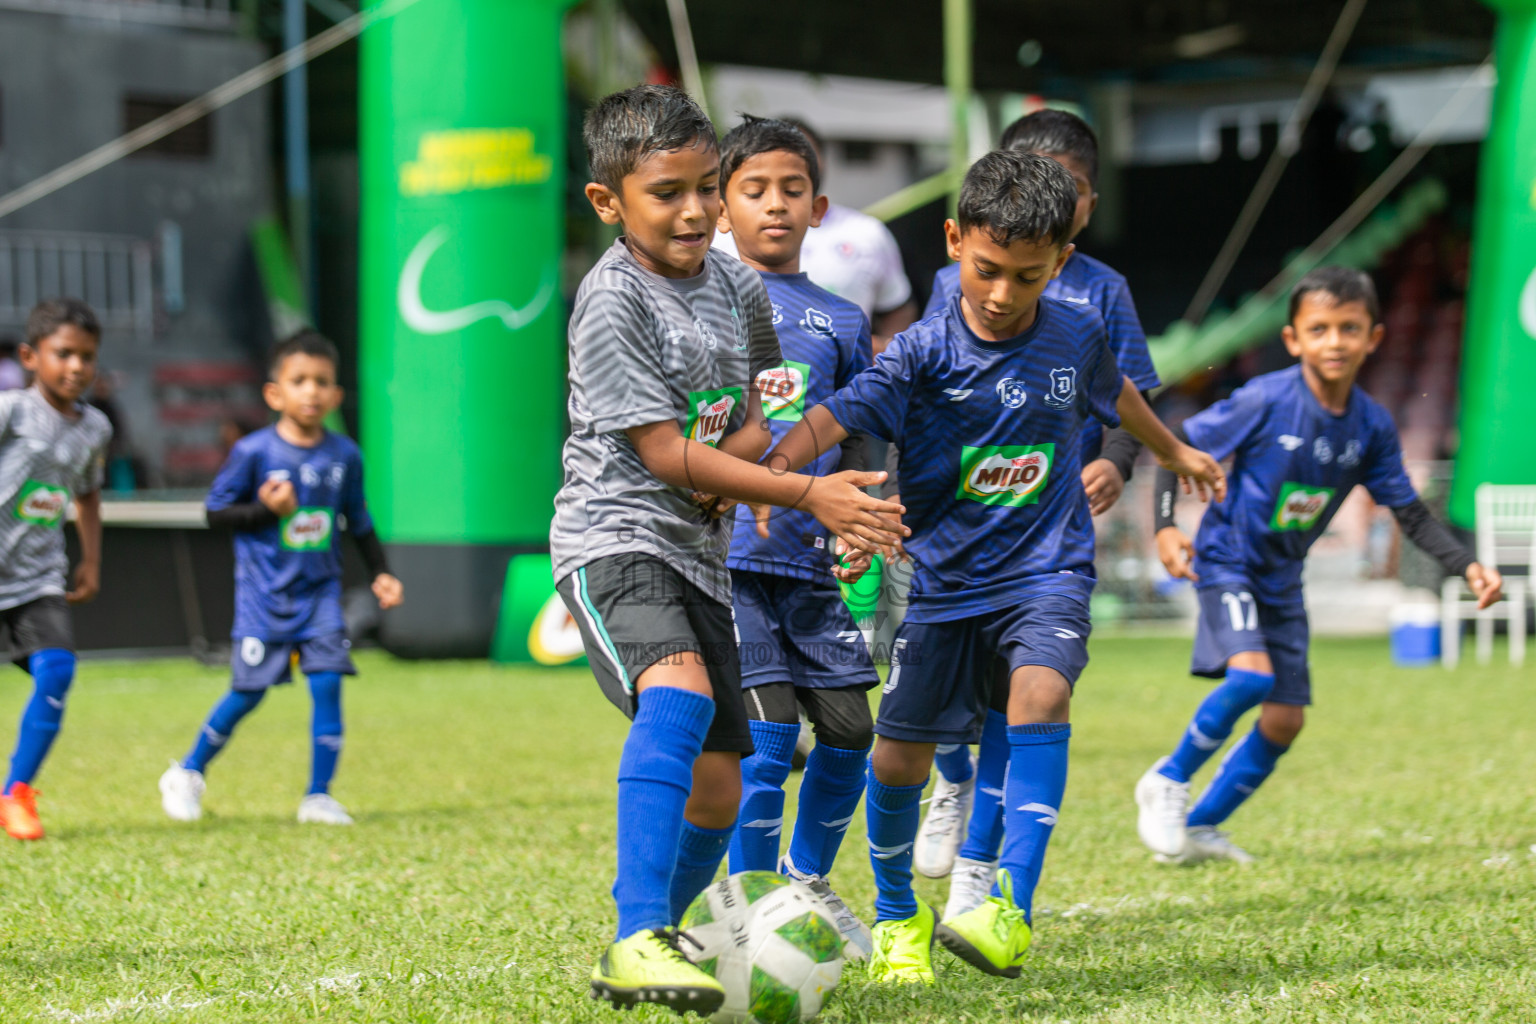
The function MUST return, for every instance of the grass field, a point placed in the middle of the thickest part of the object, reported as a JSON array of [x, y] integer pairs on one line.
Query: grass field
[[1396, 883]]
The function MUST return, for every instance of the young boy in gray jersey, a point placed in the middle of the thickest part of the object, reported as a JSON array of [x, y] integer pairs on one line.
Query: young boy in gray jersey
[[52, 447], [666, 341]]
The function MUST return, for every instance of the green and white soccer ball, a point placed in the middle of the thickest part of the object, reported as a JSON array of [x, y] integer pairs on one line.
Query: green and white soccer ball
[[770, 941]]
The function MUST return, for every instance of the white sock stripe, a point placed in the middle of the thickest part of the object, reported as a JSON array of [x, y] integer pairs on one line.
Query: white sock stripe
[[1200, 739]]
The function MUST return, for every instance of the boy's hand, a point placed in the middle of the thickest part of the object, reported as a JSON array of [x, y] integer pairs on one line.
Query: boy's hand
[[87, 583], [1178, 554], [851, 565], [761, 513], [1104, 485], [389, 590], [1197, 471], [840, 503], [279, 496], [1486, 583]]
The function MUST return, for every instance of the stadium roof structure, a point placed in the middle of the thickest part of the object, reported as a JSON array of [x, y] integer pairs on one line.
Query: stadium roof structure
[[1033, 45]]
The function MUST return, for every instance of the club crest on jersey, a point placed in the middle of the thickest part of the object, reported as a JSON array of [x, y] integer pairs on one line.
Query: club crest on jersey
[[736, 328], [1010, 391], [778, 314], [1011, 475], [706, 333], [1063, 388], [818, 322], [783, 388], [1322, 451], [709, 412], [1299, 507], [1349, 458], [309, 476]]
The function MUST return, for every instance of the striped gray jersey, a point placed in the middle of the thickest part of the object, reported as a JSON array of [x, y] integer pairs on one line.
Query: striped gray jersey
[[645, 349], [45, 459]]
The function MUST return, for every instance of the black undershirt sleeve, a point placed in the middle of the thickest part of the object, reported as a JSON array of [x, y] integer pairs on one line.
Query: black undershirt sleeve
[[1433, 537], [373, 553], [892, 460], [1165, 491], [855, 453], [250, 516], [1121, 448]]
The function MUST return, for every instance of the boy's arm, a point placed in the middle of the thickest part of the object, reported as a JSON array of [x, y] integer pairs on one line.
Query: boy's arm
[[388, 589], [1193, 467], [837, 501], [1174, 549], [88, 529], [1435, 540]]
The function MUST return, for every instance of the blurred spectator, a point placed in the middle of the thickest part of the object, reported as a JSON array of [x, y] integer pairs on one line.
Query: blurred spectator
[[12, 376], [123, 470]]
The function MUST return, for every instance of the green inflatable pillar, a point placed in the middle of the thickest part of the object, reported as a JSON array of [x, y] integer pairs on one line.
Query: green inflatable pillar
[[462, 324], [1498, 374]]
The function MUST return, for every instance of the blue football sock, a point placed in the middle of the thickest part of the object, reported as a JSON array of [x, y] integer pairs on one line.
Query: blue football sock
[[984, 834], [699, 852], [1242, 771], [829, 796], [953, 760], [53, 669], [325, 729], [755, 846], [892, 812], [1037, 780], [655, 775], [1239, 692], [221, 723]]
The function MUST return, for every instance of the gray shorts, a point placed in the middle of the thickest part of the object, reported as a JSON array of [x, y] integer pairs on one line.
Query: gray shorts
[[258, 664]]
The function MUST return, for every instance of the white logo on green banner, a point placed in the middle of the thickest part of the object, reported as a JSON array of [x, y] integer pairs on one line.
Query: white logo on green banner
[[709, 413], [42, 504], [783, 389], [308, 529], [1005, 474], [1299, 506]]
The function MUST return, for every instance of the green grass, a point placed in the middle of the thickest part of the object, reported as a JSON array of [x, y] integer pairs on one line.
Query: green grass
[[1396, 881]]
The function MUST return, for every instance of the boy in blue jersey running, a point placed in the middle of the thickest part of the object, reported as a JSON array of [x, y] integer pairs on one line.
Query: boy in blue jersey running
[[286, 491], [667, 342], [987, 404], [1301, 440], [798, 642], [1108, 458]]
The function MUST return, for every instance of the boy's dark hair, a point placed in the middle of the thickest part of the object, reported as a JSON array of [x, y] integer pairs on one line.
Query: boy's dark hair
[[810, 133], [765, 135], [1345, 284], [51, 314], [1058, 133], [306, 342], [1012, 196], [626, 127]]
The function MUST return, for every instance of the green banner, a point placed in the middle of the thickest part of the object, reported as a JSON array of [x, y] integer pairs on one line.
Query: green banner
[[462, 323], [534, 625], [1498, 370]]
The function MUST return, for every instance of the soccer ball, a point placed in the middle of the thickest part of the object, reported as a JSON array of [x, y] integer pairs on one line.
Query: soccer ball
[[770, 941]]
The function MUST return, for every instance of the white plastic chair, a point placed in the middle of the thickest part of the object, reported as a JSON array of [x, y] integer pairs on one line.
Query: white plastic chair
[[1506, 539]]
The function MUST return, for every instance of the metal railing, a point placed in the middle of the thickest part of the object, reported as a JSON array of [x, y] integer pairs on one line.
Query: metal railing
[[114, 274], [213, 14]]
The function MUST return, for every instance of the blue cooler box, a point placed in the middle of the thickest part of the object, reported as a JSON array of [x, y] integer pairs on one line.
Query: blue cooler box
[[1415, 635]]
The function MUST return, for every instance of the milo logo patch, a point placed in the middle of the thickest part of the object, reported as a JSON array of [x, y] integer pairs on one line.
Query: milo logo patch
[[308, 529], [783, 388], [1299, 507], [709, 413], [1005, 475], [41, 504]]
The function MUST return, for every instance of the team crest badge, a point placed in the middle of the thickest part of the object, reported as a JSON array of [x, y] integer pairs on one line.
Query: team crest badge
[[1063, 388], [778, 314], [817, 322], [1010, 391]]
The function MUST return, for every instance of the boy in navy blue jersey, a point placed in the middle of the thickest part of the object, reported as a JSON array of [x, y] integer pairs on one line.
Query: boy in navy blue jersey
[[667, 342], [799, 644], [987, 403], [1108, 457], [285, 491], [1301, 439]]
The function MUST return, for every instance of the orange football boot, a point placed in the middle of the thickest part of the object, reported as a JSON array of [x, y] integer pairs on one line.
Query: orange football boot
[[18, 812]]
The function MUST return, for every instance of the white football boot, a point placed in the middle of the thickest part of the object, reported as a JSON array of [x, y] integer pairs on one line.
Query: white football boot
[[1207, 842], [322, 809], [857, 940], [970, 883], [1162, 807], [181, 793], [949, 812]]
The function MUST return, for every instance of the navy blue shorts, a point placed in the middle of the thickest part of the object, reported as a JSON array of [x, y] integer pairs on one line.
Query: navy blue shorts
[[259, 663], [942, 673], [1233, 620], [799, 632]]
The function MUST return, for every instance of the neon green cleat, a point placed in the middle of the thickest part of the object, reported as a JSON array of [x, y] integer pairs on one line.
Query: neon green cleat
[[993, 937], [903, 950], [647, 967]]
